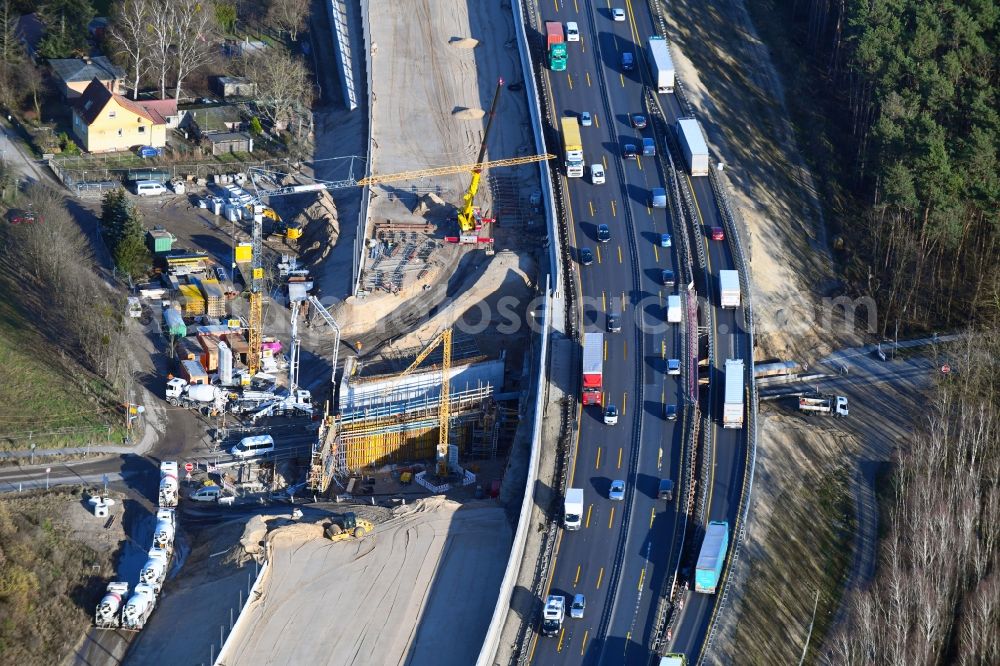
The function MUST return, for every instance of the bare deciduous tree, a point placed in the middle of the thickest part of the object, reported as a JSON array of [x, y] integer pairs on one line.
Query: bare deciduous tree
[[288, 15], [195, 34], [132, 35], [284, 87]]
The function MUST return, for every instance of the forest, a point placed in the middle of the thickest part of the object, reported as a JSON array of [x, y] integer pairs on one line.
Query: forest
[[911, 100]]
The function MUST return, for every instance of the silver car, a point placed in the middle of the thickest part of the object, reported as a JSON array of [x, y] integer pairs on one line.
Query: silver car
[[579, 606]]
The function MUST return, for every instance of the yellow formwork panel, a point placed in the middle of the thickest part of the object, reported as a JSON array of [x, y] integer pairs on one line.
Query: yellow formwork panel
[[396, 447]]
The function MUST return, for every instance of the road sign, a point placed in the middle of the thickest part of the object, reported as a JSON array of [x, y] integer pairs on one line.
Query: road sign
[[946, 368], [188, 467]]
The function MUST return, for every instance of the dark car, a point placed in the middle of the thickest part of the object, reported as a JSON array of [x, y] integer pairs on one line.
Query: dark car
[[638, 121], [666, 490], [586, 256], [603, 233], [629, 152], [628, 61], [670, 412], [614, 322], [667, 278]]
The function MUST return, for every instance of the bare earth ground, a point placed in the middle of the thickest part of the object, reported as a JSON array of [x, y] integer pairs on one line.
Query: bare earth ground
[[401, 596]]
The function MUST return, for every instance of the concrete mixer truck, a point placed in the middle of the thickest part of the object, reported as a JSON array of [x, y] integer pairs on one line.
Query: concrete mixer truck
[[168, 484], [139, 607], [207, 399], [163, 533], [154, 571], [108, 614]]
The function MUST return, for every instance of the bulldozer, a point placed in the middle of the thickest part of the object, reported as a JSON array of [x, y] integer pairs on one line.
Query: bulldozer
[[348, 527]]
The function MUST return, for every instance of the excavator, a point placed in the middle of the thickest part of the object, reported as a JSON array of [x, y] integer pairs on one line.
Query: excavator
[[470, 219]]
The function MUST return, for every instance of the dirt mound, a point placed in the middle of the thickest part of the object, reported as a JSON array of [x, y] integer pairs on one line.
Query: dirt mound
[[321, 228], [468, 114], [464, 42]]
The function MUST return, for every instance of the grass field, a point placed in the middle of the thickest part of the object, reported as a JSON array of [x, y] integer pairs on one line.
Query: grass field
[[48, 400]]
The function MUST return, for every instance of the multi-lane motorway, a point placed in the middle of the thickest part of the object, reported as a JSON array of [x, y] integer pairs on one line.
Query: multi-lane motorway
[[618, 559]]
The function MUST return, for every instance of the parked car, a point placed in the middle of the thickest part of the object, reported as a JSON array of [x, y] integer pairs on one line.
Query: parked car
[[585, 119], [603, 233], [617, 490]]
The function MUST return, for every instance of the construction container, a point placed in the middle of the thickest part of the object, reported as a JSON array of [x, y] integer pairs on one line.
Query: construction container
[[238, 344], [210, 352], [173, 322], [192, 302], [215, 298], [188, 349], [193, 372], [159, 241], [244, 252]]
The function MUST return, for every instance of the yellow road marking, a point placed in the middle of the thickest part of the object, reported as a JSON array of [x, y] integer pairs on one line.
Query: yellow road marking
[[591, 204], [577, 579], [624, 401], [611, 518], [576, 7], [598, 248], [600, 577], [620, 457], [619, 254], [604, 161], [604, 301], [638, 160], [642, 575], [569, 78], [584, 644], [659, 455], [656, 254], [614, 208], [652, 517], [562, 633], [589, 509], [597, 465], [588, 79], [596, 121], [622, 77], [605, 350], [623, 301]]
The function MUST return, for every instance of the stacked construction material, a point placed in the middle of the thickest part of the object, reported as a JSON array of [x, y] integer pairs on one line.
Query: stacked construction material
[[210, 352], [192, 302], [215, 298]]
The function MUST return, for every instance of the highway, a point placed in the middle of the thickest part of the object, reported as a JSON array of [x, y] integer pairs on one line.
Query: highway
[[618, 558]]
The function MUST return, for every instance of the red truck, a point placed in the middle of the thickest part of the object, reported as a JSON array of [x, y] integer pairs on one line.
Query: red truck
[[593, 368]]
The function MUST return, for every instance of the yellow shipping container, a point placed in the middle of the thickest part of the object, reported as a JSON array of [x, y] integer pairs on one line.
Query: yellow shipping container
[[244, 252]]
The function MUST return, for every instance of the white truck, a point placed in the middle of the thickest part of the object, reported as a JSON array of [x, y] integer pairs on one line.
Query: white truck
[[154, 572], [694, 146], [168, 484], [674, 309], [139, 607], [553, 614], [729, 289], [108, 614], [573, 509], [827, 405], [732, 408], [661, 64], [205, 398], [163, 533]]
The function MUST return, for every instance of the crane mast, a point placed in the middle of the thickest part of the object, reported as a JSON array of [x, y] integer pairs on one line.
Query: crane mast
[[468, 220]]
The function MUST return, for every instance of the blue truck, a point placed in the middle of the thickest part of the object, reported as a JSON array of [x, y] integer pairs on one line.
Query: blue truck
[[711, 558]]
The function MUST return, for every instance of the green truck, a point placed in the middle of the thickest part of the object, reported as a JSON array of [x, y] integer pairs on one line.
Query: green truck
[[555, 43]]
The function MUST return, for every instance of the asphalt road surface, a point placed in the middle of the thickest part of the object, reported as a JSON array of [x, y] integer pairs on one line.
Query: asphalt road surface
[[618, 558]]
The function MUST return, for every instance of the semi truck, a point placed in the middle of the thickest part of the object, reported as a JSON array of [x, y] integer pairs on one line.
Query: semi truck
[[729, 289], [711, 558], [827, 405], [732, 408], [694, 146], [168, 484], [573, 509], [108, 614], [574, 146], [138, 608], [553, 614], [593, 368], [555, 45], [661, 64], [674, 309]]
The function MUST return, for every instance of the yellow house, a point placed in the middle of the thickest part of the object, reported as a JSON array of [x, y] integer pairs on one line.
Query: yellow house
[[106, 122]]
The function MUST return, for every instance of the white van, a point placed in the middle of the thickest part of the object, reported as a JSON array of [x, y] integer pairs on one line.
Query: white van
[[149, 188], [572, 32], [206, 494], [249, 447]]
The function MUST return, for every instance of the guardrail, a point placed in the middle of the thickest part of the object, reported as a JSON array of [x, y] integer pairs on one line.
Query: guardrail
[[253, 593], [359, 237], [553, 285], [337, 12]]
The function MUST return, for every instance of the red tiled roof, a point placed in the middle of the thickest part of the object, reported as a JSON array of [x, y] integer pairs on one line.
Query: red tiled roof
[[96, 97]]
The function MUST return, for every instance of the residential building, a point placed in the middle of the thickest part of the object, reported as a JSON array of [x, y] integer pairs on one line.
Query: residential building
[[73, 75], [104, 121]]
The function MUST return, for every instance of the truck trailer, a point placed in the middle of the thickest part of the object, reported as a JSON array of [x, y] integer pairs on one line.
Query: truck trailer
[[729, 289], [573, 509], [732, 408], [574, 146], [674, 309], [661, 64], [827, 405], [694, 146], [593, 368], [555, 45], [712, 557]]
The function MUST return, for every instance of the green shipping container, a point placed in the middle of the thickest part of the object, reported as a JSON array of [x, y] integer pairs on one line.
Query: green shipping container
[[159, 242]]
